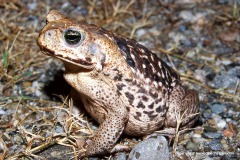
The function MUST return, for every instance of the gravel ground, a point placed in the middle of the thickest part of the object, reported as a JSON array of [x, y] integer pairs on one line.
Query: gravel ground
[[198, 38]]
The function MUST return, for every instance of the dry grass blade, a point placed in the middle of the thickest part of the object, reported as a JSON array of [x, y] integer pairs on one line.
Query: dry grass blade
[[236, 11], [117, 8], [3, 145], [236, 88], [172, 53], [5, 59], [139, 24], [92, 6], [143, 22], [180, 120], [71, 125]]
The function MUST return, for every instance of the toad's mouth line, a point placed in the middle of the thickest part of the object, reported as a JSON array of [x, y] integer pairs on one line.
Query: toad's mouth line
[[79, 62]]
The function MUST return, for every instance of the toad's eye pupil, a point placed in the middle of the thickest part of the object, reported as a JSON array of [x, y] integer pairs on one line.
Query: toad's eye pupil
[[72, 37]]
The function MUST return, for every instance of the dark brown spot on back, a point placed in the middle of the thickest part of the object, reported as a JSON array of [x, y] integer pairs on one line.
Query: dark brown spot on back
[[141, 90], [148, 112], [158, 100], [144, 98], [153, 95], [120, 86], [130, 97], [140, 105], [151, 106], [158, 109], [118, 77]]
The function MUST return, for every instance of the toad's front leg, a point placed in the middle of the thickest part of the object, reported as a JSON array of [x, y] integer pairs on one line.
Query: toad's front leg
[[107, 135], [103, 102]]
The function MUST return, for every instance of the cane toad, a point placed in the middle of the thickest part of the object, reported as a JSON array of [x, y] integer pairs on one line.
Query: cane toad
[[123, 86]]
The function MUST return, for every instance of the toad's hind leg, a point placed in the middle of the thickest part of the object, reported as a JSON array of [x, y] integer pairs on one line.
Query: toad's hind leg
[[183, 107]]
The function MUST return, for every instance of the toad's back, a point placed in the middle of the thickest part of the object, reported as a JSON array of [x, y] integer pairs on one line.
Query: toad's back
[[148, 91], [123, 85]]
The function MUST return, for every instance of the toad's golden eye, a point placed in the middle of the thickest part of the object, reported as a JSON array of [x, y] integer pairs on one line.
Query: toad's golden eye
[[72, 37]]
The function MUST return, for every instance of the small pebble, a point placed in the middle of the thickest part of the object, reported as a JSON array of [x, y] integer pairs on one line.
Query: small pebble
[[215, 145], [1, 146], [182, 28], [152, 148], [225, 80], [210, 76], [221, 124], [32, 6], [219, 121], [199, 140], [228, 133], [2, 112], [201, 22], [186, 15], [218, 108], [58, 129], [192, 146], [27, 84], [212, 122], [120, 156], [197, 135], [208, 158], [211, 135], [207, 115], [198, 130], [209, 129], [93, 158]]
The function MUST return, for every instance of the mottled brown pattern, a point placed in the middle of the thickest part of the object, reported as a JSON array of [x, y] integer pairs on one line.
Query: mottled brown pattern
[[124, 86], [132, 51]]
